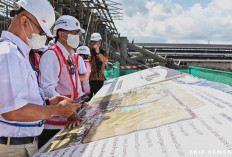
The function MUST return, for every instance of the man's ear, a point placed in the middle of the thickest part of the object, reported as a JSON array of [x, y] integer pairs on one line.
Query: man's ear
[[23, 22], [60, 34]]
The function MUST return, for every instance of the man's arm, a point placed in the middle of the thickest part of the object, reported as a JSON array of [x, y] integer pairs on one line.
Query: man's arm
[[102, 58], [32, 112], [49, 71], [14, 94], [82, 76], [81, 68]]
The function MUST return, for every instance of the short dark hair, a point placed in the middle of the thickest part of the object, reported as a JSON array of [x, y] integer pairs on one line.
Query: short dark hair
[[13, 13], [57, 34]]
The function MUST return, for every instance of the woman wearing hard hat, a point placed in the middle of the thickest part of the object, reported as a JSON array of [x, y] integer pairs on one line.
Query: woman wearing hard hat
[[61, 73], [22, 102], [84, 52]]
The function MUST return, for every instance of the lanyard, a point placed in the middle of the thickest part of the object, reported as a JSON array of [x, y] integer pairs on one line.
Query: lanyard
[[68, 68], [40, 91], [41, 94]]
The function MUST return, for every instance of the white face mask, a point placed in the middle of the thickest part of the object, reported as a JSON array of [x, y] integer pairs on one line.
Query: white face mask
[[73, 40], [37, 41]]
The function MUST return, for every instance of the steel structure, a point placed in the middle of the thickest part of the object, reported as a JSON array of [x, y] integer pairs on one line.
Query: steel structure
[[94, 15], [212, 56], [192, 52], [185, 46], [125, 45], [5, 8], [99, 16]]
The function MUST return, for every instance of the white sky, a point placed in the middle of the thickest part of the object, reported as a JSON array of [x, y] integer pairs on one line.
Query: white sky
[[177, 21]]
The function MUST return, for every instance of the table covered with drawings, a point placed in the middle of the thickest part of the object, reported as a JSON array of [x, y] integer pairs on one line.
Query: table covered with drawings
[[159, 114]]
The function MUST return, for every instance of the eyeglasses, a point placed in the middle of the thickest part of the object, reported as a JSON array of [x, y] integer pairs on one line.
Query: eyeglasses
[[41, 30], [84, 56], [74, 32], [71, 67]]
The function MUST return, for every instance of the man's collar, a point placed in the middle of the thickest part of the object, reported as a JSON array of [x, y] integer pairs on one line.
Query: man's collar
[[64, 50], [16, 40]]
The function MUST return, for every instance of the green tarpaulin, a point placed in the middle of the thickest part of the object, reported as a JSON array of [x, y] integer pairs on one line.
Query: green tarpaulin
[[208, 74]]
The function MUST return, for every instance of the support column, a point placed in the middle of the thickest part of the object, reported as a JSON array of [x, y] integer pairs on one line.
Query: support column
[[123, 50], [72, 8], [59, 7]]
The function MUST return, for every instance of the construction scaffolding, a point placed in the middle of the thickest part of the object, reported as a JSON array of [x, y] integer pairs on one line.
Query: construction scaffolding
[[94, 16], [5, 8]]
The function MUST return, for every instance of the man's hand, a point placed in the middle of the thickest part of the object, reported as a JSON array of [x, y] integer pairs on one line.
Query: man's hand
[[82, 76], [86, 104], [56, 99], [96, 47], [73, 121], [100, 56], [33, 112], [66, 108]]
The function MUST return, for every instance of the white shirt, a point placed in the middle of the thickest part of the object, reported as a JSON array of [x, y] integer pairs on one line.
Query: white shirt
[[50, 68], [18, 84]]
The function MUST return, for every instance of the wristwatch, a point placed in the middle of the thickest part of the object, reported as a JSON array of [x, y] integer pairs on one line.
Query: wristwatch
[[47, 101]]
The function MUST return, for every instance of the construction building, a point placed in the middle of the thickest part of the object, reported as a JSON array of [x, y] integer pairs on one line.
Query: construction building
[[100, 15], [94, 16]]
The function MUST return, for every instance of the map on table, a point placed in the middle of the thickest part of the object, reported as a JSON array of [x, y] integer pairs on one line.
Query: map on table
[[156, 111]]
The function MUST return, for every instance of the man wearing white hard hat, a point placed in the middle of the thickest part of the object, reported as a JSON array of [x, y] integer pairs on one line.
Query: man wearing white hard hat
[[98, 60], [23, 106], [61, 73], [84, 52]]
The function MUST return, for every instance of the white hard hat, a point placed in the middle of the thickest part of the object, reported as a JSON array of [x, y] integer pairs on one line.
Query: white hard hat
[[42, 10], [68, 23], [83, 50], [95, 37]]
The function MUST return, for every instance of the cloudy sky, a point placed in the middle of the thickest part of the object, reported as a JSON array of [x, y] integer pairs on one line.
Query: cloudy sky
[[177, 21]]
